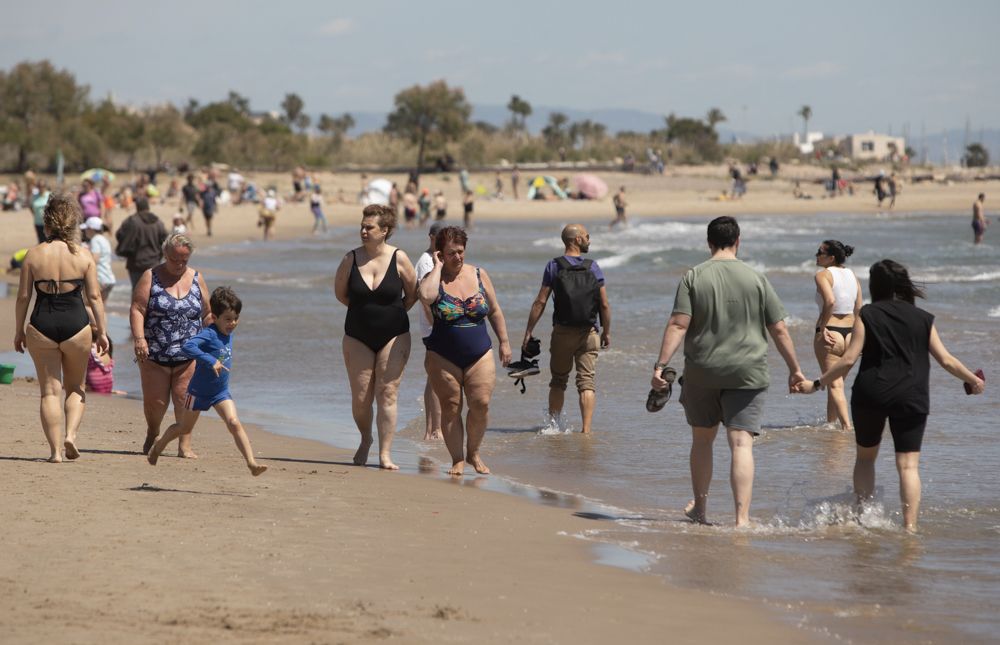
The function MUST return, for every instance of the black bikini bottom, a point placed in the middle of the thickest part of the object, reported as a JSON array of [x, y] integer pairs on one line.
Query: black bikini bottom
[[843, 331]]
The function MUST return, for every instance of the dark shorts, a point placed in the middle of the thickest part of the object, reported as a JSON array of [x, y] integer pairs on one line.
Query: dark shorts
[[440, 214], [203, 403], [209, 214], [410, 214], [707, 407], [907, 430], [977, 227]]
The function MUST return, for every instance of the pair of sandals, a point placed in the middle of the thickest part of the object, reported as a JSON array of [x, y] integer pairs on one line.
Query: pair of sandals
[[528, 365], [658, 398]]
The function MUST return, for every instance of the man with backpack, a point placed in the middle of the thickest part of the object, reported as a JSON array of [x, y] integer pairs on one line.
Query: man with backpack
[[579, 296]]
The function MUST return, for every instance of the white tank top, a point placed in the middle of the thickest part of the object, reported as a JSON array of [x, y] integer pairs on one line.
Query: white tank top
[[845, 291]]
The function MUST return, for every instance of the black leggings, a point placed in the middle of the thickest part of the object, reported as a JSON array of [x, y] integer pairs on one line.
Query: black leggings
[[907, 429]]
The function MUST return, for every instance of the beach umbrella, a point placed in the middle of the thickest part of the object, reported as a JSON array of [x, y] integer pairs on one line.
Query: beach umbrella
[[97, 175], [590, 186], [377, 192]]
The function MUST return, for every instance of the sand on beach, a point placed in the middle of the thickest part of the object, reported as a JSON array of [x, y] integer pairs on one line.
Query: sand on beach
[[110, 549]]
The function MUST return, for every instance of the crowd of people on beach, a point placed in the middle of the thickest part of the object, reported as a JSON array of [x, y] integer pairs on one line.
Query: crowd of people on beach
[[182, 334]]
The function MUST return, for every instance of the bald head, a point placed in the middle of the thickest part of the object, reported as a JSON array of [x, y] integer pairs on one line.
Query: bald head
[[575, 238]]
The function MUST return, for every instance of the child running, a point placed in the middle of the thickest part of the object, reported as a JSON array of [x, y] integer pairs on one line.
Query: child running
[[212, 348]]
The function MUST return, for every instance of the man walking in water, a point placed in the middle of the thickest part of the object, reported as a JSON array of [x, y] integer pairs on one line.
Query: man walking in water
[[725, 361], [577, 285], [620, 204], [979, 221]]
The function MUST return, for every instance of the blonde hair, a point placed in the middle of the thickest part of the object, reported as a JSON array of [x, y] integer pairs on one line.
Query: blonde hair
[[178, 239], [62, 220]]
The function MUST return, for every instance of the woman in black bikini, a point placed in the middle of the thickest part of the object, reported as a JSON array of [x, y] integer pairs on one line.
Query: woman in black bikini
[[378, 284], [838, 295], [59, 334]]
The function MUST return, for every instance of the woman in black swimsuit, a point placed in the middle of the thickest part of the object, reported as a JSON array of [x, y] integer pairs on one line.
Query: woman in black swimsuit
[[59, 334], [378, 284]]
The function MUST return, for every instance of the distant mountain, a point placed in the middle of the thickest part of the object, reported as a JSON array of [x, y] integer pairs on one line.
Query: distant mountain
[[949, 146]]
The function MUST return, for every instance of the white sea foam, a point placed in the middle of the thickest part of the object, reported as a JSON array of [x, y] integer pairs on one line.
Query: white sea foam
[[994, 312], [954, 274]]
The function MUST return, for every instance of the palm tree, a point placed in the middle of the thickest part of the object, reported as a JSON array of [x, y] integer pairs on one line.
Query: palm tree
[[805, 112], [714, 117]]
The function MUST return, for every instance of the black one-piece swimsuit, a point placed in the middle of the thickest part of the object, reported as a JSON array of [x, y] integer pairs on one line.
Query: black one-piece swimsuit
[[59, 316], [376, 316]]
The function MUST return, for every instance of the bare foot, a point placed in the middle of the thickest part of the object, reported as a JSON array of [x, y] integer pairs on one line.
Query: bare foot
[[55, 459], [432, 436], [71, 451], [153, 455], [457, 469], [190, 454], [693, 515], [385, 463], [257, 469], [361, 456], [476, 462], [150, 440]]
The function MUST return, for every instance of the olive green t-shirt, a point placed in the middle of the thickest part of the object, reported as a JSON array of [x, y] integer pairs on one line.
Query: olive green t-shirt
[[730, 306]]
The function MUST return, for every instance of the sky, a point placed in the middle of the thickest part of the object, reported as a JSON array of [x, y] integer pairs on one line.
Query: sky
[[858, 65]]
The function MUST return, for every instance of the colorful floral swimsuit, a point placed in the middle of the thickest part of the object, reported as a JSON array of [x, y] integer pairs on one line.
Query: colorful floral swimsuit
[[459, 334]]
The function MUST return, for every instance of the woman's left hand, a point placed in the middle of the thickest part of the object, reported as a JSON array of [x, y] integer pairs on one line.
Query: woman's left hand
[[19, 342], [505, 353]]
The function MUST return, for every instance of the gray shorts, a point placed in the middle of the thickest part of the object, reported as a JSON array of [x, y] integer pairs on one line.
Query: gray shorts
[[708, 407]]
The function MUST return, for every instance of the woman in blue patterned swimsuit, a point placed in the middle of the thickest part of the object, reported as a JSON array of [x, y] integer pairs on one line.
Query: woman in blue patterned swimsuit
[[169, 306], [459, 362]]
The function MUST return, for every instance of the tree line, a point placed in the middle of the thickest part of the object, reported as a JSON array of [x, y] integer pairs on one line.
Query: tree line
[[45, 112]]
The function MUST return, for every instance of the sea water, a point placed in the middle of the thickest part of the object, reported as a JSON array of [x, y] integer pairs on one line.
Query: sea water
[[861, 578]]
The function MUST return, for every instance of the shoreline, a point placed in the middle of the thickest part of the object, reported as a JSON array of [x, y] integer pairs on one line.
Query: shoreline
[[299, 552], [681, 193]]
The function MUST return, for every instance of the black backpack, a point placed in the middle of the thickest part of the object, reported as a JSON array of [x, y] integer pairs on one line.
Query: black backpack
[[576, 293]]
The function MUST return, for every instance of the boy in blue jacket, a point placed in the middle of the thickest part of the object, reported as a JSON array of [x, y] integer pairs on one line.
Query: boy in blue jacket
[[212, 349]]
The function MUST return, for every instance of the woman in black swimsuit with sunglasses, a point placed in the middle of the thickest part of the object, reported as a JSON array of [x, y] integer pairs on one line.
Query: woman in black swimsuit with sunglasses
[[838, 295], [59, 335]]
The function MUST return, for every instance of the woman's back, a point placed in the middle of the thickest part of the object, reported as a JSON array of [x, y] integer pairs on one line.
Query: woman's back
[[845, 290], [895, 360], [54, 261]]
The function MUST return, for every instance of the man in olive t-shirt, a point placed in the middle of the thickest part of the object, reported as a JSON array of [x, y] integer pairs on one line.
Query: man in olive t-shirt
[[723, 311]]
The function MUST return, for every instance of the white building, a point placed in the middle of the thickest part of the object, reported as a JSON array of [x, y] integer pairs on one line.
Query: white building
[[872, 147], [806, 146]]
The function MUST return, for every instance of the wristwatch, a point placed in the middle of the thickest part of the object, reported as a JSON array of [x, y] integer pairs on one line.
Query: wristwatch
[[659, 366], [817, 385]]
